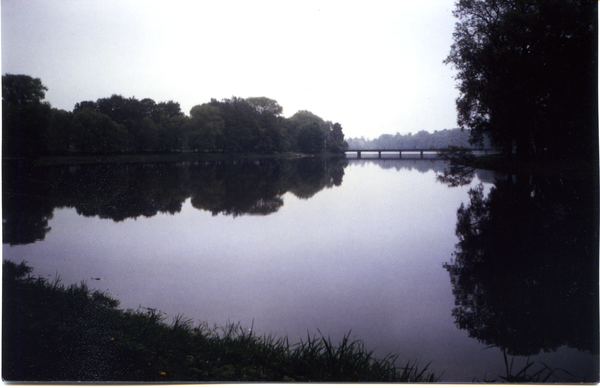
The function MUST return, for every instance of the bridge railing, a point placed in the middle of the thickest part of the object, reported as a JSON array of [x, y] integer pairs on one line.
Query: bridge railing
[[421, 151]]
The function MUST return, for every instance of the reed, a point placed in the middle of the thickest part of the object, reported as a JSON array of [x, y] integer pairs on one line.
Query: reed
[[53, 332]]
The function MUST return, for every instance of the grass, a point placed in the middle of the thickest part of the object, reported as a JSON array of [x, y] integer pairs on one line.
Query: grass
[[53, 332]]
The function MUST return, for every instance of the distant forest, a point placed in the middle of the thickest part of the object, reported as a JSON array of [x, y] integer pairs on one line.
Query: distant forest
[[113, 125], [422, 139]]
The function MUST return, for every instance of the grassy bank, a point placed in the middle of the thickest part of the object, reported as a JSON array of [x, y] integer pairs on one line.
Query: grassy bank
[[164, 158], [53, 332]]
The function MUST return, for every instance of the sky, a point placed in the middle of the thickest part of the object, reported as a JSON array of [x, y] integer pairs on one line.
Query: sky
[[375, 67]]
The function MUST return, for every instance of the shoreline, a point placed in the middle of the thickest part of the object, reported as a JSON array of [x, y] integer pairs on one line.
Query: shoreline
[[511, 165], [72, 160]]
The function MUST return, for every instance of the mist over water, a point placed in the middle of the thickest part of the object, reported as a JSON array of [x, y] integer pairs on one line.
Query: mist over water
[[301, 246]]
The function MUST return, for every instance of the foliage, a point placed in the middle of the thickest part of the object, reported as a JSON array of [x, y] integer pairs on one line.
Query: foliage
[[265, 105], [527, 74], [96, 133], [61, 130], [25, 117], [337, 134], [52, 332], [21, 89], [206, 128], [461, 170], [310, 133], [31, 128], [310, 138], [172, 134], [252, 125]]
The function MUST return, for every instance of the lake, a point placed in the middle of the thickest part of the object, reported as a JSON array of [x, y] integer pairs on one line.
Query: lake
[[382, 248]]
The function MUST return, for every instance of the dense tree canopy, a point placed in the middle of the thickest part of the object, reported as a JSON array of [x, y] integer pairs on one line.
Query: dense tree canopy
[[127, 125], [206, 128], [61, 128], [147, 123], [265, 105], [22, 89], [25, 117], [527, 74], [95, 132], [303, 131]]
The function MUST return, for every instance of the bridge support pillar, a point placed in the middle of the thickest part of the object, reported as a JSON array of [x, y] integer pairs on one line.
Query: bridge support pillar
[[400, 152], [379, 154], [421, 154], [358, 154]]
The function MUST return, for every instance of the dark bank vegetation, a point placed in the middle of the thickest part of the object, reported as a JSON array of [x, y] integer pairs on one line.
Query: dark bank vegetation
[[53, 332], [171, 157], [527, 76], [118, 125], [462, 164]]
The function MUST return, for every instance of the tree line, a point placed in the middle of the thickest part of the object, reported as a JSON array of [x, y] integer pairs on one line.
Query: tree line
[[422, 140], [527, 74], [113, 125]]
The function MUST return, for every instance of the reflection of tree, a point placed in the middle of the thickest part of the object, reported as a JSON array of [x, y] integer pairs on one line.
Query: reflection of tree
[[312, 175], [249, 187], [246, 187], [26, 204], [420, 165], [119, 192], [525, 273]]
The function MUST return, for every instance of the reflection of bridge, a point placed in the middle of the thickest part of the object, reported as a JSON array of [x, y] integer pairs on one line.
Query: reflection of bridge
[[409, 151]]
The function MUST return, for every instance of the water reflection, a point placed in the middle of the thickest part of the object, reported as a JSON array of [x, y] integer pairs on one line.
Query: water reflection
[[525, 270], [119, 192], [26, 204], [364, 257], [127, 191]]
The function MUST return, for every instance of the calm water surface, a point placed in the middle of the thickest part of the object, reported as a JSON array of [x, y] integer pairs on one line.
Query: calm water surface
[[292, 247]]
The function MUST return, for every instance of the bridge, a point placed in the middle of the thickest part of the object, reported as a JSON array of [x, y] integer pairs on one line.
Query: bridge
[[420, 151]]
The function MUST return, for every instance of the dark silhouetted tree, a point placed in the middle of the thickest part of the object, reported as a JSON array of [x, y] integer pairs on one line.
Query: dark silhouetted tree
[[527, 74], [96, 133], [206, 128], [310, 137], [61, 131], [25, 117], [265, 105]]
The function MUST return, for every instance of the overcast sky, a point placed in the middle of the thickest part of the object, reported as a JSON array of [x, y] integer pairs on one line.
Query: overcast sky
[[375, 67]]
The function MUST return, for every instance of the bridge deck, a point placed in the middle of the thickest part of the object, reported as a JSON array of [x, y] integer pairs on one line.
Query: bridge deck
[[421, 151]]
